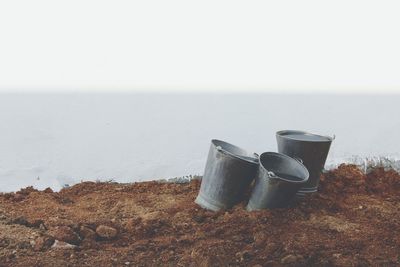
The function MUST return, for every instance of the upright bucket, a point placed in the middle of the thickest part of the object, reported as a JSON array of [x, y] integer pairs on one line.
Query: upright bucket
[[312, 149], [278, 180], [228, 173]]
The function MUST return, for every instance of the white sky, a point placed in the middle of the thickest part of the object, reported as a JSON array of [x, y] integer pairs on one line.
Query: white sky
[[213, 45]]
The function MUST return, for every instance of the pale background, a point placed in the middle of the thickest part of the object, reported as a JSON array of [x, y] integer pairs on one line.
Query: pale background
[[135, 90]]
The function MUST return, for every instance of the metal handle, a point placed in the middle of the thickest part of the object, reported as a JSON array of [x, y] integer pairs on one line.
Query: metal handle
[[271, 174], [298, 159]]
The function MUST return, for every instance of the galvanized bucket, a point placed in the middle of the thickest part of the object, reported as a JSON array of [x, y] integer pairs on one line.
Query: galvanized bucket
[[312, 149], [228, 173], [279, 178]]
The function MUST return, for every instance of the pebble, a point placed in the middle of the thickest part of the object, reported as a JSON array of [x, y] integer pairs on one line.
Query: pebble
[[62, 245], [290, 259], [106, 232], [43, 243], [66, 234], [87, 233]]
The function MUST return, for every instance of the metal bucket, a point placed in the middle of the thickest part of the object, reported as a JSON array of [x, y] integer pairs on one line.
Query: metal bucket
[[312, 149], [279, 178], [228, 173]]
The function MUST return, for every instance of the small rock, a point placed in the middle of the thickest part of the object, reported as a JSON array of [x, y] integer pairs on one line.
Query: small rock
[[66, 234], [62, 245], [43, 242], [87, 233], [106, 232], [289, 259]]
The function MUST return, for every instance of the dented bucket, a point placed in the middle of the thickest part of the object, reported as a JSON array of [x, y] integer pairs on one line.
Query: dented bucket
[[312, 149], [228, 173], [278, 180]]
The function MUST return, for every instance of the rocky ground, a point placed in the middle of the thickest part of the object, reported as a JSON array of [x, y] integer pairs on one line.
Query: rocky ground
[[353, 221]]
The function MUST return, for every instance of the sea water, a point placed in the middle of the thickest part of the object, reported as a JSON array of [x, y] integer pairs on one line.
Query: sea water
[[61, 139]]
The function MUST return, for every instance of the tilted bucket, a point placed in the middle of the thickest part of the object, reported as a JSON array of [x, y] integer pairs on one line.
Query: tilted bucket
[[312, 149], [279, 178], [228, 173]]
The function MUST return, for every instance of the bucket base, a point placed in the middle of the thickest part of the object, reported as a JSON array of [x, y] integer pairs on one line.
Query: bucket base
[[305, 191], [250, 207], [210, 204]]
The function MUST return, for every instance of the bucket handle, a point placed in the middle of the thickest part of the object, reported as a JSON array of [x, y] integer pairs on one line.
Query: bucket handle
[[221, 150], [271, 174], [298, 159]]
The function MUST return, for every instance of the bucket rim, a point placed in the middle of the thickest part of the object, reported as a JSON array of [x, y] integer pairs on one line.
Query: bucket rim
[[302, 181], [247, 157], [285, 133]]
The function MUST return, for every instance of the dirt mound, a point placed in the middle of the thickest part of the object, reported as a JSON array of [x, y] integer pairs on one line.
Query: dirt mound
[[353, 221]]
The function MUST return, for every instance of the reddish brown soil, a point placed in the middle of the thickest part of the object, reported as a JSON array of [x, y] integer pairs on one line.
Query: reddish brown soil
[[353, 221]]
